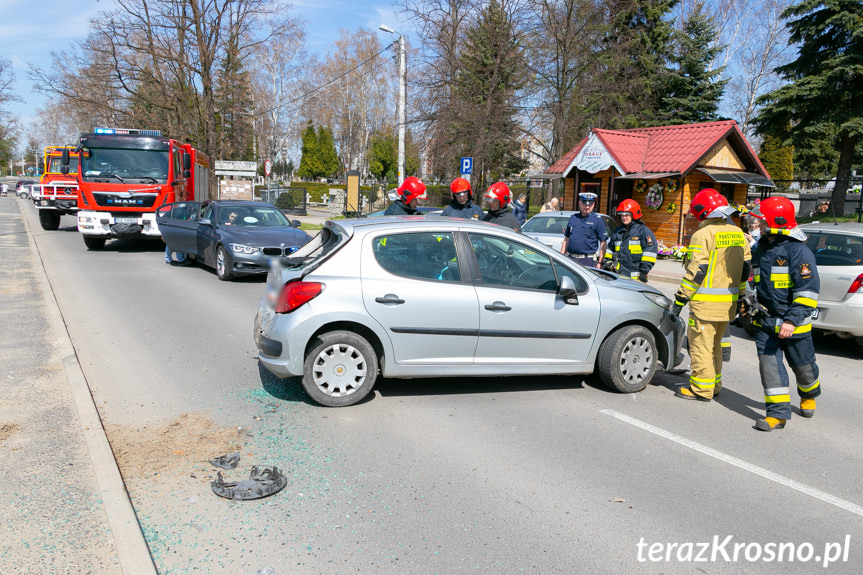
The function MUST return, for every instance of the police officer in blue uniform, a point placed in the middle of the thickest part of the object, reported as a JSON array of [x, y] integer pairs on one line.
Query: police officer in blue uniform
[[787, 286], [585, 234]]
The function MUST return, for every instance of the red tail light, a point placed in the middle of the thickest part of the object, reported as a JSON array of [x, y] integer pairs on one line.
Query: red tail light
[[296, 294], [856, 284]]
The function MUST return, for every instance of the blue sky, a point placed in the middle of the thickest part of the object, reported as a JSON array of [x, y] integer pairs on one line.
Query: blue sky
[[30, 31]]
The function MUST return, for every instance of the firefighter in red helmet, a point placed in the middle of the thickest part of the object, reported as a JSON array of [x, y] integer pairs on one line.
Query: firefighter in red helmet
[[462, 205], [716, 273], [499, 212], [632, 246], [787, 286], [408, 197]]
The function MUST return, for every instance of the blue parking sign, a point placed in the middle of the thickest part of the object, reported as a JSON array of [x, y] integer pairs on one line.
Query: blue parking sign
[[466, 165]]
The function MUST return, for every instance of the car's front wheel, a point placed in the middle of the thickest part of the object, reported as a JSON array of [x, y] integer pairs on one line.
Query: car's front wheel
[[340, 369], [223, 264], [627, 359]]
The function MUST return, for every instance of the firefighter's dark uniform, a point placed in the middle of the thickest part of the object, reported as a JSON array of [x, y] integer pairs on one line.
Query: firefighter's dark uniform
[[787, 284], [399, 208], [632, 248], [716, 274]]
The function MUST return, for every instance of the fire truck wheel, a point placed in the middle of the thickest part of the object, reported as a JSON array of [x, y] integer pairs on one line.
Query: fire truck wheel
[[49, 220], [223, 264], [94, 243]]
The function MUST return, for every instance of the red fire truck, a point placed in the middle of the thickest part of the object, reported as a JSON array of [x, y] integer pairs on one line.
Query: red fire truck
[[57, 193], [125, 175]]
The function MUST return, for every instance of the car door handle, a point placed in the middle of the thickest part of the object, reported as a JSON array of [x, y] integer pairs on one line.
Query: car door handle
[[498, 306], [390, 298]]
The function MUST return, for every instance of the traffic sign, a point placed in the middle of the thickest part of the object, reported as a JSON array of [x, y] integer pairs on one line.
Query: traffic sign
[[466, 165], [268, 167]]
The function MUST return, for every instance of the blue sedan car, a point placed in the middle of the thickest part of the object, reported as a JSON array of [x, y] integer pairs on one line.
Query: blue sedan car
[[234, 237]]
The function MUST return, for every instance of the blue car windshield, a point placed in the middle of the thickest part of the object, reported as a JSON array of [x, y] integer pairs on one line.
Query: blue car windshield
[[252, 217]]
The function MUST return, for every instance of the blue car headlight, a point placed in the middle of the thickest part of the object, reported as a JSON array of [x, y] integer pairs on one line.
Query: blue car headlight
[[244, 249]]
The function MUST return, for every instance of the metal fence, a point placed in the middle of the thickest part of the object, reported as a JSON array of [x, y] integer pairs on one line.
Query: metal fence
[[292, 200], [812, 197]]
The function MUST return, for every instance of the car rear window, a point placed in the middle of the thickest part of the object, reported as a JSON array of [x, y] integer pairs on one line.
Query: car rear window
[[835, 249], [550, 225]]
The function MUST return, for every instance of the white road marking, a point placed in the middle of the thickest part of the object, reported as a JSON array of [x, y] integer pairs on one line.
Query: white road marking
[[780, 479]]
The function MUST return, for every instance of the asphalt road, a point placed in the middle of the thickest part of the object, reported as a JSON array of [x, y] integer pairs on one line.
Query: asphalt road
[[495, 475]]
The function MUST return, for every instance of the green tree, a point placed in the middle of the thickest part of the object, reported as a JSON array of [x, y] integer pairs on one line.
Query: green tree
[[330, 163], [491, 73], [692, 90], [319, 158], [383, 156], [822, 97], [636, 54], [778, 159], [310, 165]]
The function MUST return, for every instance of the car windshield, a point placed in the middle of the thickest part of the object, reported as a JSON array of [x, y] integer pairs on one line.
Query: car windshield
[[546, 225], [252, 217], [124, 163], [833, 249]]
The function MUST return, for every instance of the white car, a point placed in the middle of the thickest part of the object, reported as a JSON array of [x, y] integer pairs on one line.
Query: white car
[[548, 227], [838, 250]]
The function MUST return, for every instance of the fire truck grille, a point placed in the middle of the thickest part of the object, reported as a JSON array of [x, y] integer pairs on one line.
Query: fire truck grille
[[107, 200]]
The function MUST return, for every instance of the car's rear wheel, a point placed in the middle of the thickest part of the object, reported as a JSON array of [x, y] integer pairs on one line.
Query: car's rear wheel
[[94, 243], [627, 359], [49, 220], [223, 264], [340, 369]]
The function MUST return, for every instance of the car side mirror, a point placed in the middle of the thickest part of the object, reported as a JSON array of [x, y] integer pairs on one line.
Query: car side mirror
[[64, 162], [187, 174], [205, 221], [187, 162], [296, 223], [567, 291]]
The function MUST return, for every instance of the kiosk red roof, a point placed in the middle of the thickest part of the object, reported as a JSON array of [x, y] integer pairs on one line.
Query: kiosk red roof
[[664, 149]]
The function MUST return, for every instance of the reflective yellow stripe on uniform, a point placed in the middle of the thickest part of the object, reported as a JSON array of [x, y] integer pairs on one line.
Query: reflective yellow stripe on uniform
[[693, 249], [702, 383], [811, 387], [806, 297], [717, 294], [799, 329], [688, 284], [777, 395], [648, 257]]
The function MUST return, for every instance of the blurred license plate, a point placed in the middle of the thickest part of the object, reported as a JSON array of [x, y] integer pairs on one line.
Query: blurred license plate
[[125, 220], [815, 313]]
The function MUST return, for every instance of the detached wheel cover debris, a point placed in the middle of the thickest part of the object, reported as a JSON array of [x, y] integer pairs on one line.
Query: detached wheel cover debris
[[261, 483]]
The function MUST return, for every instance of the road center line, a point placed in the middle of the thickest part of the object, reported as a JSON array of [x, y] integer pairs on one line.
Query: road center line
[[724, 457]]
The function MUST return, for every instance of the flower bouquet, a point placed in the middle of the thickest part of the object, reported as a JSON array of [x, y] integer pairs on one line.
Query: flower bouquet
[[654, 197]]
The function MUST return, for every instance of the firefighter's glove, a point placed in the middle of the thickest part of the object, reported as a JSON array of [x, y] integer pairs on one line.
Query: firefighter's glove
[[642, 277], [676, 308]]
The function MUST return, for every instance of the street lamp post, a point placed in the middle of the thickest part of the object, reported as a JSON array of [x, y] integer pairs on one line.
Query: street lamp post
[[402, 99]]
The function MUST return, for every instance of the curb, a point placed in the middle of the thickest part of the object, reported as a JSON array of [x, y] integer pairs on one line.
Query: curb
[[132, 550]]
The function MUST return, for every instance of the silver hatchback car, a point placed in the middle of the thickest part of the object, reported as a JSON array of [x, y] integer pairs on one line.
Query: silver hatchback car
[[439, 297]]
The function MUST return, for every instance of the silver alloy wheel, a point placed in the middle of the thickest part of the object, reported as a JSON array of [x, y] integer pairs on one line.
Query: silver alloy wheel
[[222, 271], [339, 370], [636, 360]]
